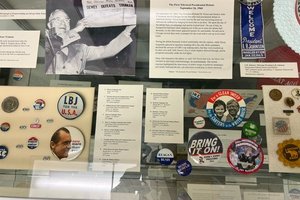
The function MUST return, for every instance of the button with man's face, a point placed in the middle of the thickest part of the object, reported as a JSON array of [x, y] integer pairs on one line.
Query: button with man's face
[[67, 143]]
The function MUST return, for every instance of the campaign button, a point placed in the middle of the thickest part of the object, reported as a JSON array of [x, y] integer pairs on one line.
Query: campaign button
[[199, 122], [226, 108], [70, 105], [67, 143], [289, 101], [32, 143], [3, 151], [39, 104], [205, 148], [10, 104], [165, 156], [296, 93], [250, 129], [18, 75], [275, 94], [245, 156], [5, 126], [183, 167]]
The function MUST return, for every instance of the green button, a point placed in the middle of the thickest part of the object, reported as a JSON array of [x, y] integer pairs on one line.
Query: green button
[[250, 129]]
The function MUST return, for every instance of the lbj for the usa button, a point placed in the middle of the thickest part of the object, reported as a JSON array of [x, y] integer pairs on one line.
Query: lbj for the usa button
[[70, 105]]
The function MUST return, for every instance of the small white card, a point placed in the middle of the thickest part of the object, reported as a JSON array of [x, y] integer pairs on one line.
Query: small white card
[[269, 69], [119, 126], [212, 192], [164, 116], [19, 49], [263, 196], [23, 14]]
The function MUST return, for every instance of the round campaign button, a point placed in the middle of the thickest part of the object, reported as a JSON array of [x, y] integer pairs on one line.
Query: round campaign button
[[18, 75], [183, 167], [296, 92], [70, 105], [205, 148], [32, 143], [250, 129], [67, 143], [165, 156], [39, 104], [199, 122], [226, 108], [10, 104], [3, 152], [289, 101], [275, 94], [5, 126], [245, 156]]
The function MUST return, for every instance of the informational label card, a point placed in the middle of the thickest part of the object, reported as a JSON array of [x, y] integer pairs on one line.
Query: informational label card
[[119, 125], [263, 196], [18, 49], [111, 13], [212, 192], [164, 116], [23, 14], [269, 69], [191, 39]]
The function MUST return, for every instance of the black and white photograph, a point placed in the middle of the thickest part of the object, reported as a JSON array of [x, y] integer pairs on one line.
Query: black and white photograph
[[76, 45]]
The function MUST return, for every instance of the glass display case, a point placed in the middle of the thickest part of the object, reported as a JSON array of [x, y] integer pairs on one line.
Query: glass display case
[[148, 66]]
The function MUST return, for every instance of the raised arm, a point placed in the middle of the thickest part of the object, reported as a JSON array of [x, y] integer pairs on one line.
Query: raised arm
[[112, 48]]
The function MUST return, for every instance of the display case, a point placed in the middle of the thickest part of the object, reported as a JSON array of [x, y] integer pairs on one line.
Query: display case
[[157, 99]]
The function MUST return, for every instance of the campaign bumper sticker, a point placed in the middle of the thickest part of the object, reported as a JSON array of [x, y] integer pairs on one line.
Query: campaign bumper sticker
[[226, 108], [245, 156], [67, 143], [165, 156], [205, 148], [70, 105], [183, 167]]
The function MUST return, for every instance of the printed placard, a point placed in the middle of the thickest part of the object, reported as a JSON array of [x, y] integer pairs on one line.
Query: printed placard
[[19, 49], [119, 126], [269, 69]]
